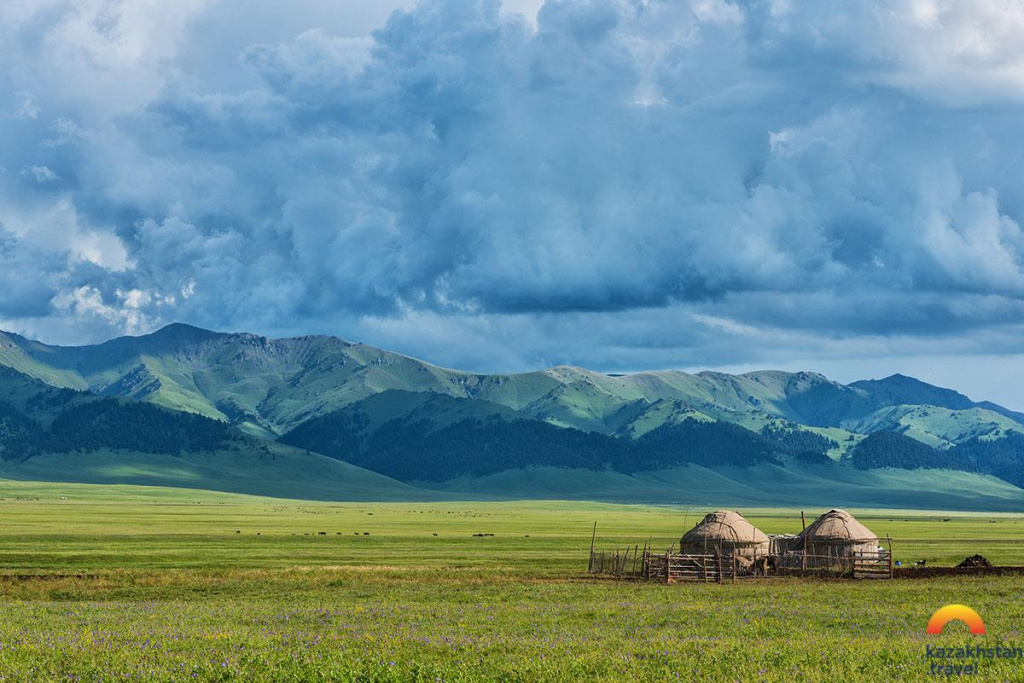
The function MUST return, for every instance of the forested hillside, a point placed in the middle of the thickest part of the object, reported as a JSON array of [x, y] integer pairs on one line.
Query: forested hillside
[[37, 418], [268, 387], [415, 448], [183, 390]]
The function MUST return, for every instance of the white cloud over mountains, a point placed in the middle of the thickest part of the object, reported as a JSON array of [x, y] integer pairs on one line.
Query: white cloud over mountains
[[618, 183]]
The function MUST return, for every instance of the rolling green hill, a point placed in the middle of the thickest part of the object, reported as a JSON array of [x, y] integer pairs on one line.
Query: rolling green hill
[[312, 416], [935, 426], [279, 472], [51, 434], [269, 386], [433, 437], [759, 485]]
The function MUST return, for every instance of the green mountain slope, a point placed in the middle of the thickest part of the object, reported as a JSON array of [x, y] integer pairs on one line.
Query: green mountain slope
[[673, 438], [269, 386], [764, 485], [51, 364], [935, 426], [279, 472], [902, 390], [51, 434], [434, 437], [409, 419]]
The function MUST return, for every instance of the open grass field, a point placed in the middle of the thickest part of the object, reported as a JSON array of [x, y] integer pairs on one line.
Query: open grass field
[[132, 583]]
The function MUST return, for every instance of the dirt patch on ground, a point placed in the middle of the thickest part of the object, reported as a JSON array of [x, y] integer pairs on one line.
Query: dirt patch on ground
[[974, 561], [934, 572], [46, 577]]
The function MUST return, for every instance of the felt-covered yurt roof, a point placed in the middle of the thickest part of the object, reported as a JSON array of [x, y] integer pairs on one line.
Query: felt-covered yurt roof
[[837, 526], [724, 526]]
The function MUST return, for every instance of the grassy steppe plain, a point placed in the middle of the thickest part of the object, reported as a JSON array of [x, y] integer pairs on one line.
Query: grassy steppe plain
[[134, 583]]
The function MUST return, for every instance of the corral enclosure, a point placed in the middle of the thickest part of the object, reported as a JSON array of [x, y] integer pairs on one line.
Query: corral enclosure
[[162, 582], [724, 546]]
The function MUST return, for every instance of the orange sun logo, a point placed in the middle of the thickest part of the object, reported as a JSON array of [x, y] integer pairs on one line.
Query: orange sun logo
[[950, 613]]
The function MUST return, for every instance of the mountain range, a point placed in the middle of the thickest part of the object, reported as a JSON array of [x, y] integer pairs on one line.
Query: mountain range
[[328, 418]]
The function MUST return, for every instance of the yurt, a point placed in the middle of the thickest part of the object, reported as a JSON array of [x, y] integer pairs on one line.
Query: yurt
[[836, 534], [724, 531]]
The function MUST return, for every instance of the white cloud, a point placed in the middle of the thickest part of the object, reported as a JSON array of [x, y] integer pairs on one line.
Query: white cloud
[[125, 313], [65, 130], [959, 52], [717, 11], [108, 55], [27, 106], [103, 249], [56, 226], [39, 174], [616, 183]]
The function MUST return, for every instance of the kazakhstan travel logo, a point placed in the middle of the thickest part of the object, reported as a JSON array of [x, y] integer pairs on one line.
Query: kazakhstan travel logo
[[962, 660], [950, 613]]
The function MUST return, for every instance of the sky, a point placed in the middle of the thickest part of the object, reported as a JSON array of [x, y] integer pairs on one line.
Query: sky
[[618, 184]]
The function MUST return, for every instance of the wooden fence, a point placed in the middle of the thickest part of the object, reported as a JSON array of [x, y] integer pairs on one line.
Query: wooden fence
[[719, 567], [618, 562], [839, 563], [876, 565], [672, 567], [667, 567]]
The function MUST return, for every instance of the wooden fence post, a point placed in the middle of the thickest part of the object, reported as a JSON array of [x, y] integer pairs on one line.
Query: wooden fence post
[[593, 538], [889, 540]]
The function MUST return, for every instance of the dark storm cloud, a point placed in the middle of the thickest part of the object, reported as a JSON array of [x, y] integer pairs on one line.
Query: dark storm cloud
[[620, 183]]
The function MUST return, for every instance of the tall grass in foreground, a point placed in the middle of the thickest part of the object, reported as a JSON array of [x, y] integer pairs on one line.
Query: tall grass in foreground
[[401, 625]]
